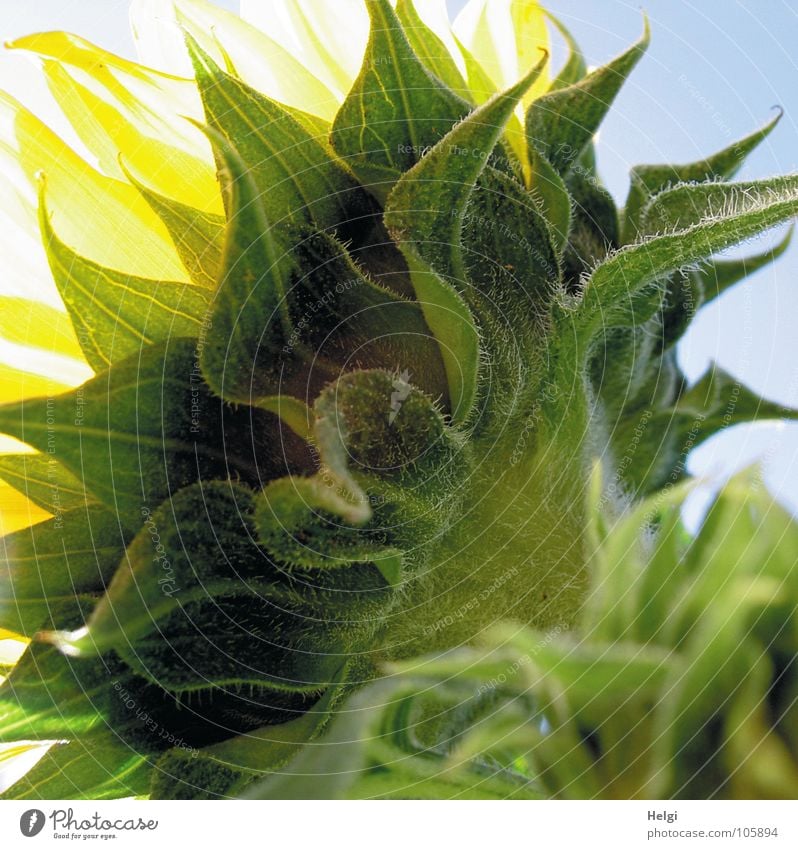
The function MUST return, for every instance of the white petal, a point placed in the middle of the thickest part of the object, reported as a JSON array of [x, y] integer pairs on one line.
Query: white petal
[[328, 38], [504, 37], [436, 16], [104, 219], [158, 39], [259, 60]]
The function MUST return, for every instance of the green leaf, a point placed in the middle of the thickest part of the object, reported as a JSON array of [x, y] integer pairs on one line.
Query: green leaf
[[662, 577], [574, 68], [761, 765], [700, 687], [197, 235], [199, 605], [693, 205], [562, 122], [719, 275], [695, 221], [427, 207], [463, 222], [326, 769], [682, 300], [296, 178], [664, 437], [547, 185], [97, 766], [48, 696], [432, 52], [396, 108], [255, 636], [248, 315], [44, 481], [647, 181], [298, 522], [720, 400], [224, 769], [195, 557], [197, 545], [452, 323], [116, 314], [144, 428], [51, 562]]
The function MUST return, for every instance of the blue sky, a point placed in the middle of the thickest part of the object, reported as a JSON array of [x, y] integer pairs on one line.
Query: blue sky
[[712, 74]]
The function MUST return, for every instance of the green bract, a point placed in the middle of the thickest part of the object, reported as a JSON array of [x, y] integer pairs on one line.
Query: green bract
[[370, 438]]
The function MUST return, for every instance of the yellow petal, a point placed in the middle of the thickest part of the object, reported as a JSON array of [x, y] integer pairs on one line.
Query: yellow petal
[[116, 106], [531, 37], [17, 383], [8, 751], [31, 323], [505, 37], [16, 511], [258, 60], [105, 219], [328, 38], [67, 370], [9, 445], [12, 645], [170, 171], [481, 85]]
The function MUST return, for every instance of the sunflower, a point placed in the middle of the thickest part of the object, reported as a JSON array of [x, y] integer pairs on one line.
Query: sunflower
[[308, 357]]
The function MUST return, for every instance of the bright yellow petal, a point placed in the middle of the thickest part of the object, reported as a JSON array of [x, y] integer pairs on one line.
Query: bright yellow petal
[[16, 512], [16, 384], [31, 323], [13, 750], [116, 106], [328, 38], [169, 170], [9, 445], [505, 37], [257, 59], [481, 85], [104, 219], [531, 37]]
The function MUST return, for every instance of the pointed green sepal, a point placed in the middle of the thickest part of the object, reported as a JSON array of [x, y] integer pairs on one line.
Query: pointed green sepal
[[297, 179], [197, 235], [117, 314], [646, 181], [561, 123], [719, 275], [44, 481], [396, 109]]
